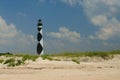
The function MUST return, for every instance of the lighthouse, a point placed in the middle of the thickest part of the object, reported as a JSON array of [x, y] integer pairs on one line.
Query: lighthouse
[[40, 38]]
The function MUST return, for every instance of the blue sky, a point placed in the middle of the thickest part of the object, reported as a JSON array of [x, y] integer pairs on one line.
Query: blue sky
[[68, 25]]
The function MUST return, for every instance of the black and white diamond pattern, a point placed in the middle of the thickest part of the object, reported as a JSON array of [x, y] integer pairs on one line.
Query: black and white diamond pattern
[[39, 38]]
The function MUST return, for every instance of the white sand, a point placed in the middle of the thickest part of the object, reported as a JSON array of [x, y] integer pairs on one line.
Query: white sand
[[63, 70]]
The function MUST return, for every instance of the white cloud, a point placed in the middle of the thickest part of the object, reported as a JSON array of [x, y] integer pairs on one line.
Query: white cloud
[[62, 41], [6, 31], [65, 33], [103, 13], [13, 39], [99, 20], [101, 7], [109, 28], [104, 33]]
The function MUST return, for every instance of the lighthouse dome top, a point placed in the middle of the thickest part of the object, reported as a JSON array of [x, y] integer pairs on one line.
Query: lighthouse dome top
[[39, 22]]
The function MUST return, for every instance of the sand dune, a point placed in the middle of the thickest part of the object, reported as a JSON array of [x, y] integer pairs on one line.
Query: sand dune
[[63, 70]]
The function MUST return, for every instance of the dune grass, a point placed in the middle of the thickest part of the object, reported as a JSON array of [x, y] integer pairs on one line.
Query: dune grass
[[76, 61], [27, 56], [12, 61], [46, 57], [1, 60], [89, 54], [75, 57]]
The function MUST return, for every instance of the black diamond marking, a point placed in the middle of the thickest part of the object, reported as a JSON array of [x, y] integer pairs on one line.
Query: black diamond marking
[[39, 48], [39, 29], [39, 37]]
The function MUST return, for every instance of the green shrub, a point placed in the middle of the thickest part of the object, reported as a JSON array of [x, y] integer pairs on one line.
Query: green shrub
[[10, 62], [76, 61], [6, 54], [27, 57], [1, 60], [19, 62], [49, 58], [46, 57]]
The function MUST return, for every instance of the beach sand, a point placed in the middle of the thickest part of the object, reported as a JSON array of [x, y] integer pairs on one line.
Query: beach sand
[[63, 70]]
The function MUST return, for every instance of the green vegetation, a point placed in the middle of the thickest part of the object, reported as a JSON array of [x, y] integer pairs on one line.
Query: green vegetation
[[76, 61], [6, 54], [12, 60], [27, 57], [1, 60], [46, 57], [19, 62], [104, 55], [16, 59], [49, 57]]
